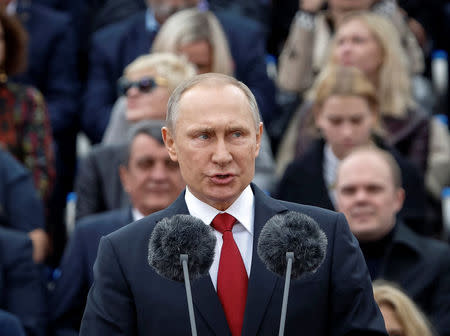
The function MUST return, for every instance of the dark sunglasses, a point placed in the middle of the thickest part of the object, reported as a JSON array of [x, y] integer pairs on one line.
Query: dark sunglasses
[[144, 85]]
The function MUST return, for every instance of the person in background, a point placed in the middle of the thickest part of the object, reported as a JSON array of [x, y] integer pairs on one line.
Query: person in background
[[345, 115], [369, 194], [52, 69], [145, 88], [22, 291], [200, 37], [400, 313], [153, 182], [25, 131]]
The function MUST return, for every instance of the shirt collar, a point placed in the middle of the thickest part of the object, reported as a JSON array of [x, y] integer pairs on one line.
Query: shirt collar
[[153, 26], [242, 209], [11, 8], [150, 21], [136, 214]]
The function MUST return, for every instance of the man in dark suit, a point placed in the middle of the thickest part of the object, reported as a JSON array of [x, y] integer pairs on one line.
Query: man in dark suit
[[134, 36], [152, 182], [214, 131], [22, 292], [369, 193]]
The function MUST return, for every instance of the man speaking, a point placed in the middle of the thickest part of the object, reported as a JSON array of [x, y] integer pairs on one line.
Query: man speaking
[[213, 131]]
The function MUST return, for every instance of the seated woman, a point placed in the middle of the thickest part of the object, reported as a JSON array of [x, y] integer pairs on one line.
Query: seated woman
[[345, 115], [401, 315], [25, 130], [25, 127], [199, 36]]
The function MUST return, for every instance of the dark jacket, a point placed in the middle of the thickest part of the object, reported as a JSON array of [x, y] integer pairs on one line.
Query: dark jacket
[[421, 266], [69, 296], [130, 298], [22, 292]]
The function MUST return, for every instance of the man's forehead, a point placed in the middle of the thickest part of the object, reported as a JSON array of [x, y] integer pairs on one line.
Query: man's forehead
[[364, 168]]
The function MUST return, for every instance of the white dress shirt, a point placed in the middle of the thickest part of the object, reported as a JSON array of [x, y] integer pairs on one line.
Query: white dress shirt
[[136, 214], [243, 210], [330, 166]]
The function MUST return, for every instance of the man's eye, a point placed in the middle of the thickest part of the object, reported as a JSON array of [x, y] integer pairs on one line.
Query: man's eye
[[204, 136], [237, 134]]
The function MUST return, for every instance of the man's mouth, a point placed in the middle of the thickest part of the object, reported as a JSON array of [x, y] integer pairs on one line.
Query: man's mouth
[[222, 178]]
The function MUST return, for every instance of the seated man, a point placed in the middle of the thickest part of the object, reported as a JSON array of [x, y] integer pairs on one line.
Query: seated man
[[152, 182], [369, 193], [22, 293]]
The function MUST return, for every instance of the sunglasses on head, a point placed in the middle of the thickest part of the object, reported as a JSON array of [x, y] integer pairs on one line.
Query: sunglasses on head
[[144, 85]]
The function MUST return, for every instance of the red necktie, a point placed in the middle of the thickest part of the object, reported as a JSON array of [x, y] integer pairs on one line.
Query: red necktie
[[232, 278]]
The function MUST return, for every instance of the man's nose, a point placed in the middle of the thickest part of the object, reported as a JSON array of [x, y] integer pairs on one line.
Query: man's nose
[[159, 171], [221, 153]]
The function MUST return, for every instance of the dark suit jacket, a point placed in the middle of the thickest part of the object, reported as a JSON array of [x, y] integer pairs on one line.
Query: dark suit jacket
[[22, 292], [129, 39], [98, 185], [69, 296], [303, 182], [421, 266], [129, 298], [20, 206]]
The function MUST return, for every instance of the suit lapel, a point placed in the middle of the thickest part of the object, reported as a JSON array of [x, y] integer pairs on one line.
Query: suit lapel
[[261, 282]]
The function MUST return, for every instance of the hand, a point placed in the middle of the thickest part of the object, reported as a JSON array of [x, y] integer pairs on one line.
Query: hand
[[312, 6], [41, 245]]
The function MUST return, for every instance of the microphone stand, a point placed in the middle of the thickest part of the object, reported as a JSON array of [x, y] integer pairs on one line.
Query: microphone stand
[[287, 282], [184, 261]]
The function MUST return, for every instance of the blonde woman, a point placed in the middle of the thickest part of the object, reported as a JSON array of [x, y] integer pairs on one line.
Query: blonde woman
[[401, 315], [145, 88], [200, 37]]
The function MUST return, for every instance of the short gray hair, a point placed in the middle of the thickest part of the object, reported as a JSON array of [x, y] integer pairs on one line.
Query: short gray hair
[[213, 79], [151, 128]]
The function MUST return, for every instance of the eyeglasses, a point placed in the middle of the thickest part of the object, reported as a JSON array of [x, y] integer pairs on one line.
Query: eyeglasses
[[144, 85]]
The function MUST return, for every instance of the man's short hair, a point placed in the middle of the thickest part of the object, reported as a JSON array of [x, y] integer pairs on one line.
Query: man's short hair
[[152, 128], [394, 168], [208, 79]]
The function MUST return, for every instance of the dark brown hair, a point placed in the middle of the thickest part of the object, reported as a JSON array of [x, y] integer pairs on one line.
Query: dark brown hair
[[16, 44]]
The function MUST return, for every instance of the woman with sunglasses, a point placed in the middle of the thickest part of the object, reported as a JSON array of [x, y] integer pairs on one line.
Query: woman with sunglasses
[[145, 89]]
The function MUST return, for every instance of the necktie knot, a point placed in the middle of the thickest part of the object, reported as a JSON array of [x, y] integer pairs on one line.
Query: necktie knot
[[223, 222]]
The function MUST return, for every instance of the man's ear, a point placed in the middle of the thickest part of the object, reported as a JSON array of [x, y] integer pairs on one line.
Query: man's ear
[[169, 142], [399, 198], [258, 138]]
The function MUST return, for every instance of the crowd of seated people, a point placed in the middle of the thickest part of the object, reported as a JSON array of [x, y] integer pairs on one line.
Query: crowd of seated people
[[361, 137]]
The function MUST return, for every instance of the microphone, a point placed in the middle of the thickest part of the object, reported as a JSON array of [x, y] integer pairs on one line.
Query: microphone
[[182, 239], [293, 244]]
